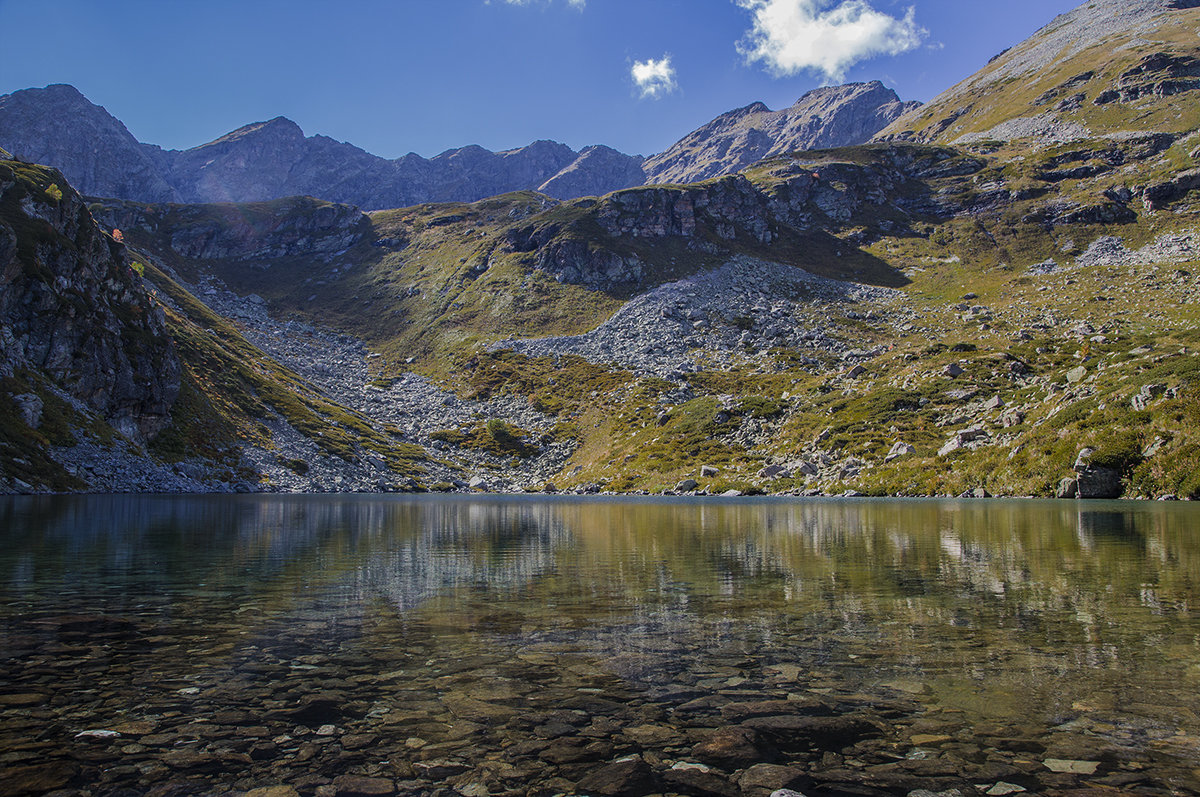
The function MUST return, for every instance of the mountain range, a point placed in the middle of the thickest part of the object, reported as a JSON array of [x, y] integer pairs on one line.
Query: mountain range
[[995, 295], [58, 126]]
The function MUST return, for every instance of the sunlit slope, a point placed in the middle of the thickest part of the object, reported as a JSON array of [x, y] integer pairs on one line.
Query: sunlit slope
[[1110, 67]]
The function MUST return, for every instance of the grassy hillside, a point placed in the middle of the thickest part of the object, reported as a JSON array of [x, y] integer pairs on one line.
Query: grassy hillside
[[1006, 228]]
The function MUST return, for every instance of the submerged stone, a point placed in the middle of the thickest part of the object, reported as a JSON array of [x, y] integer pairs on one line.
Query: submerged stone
[[626, 778], [732, 747], [358, 786], [1070, 766]]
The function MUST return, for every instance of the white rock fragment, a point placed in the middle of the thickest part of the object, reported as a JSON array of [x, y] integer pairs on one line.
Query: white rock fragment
[[1068, 766]]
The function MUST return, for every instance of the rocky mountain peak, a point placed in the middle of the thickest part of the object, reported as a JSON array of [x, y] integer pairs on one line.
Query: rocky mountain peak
[[740, 113], [846, 90], [830, 116], [250, 164], [544, 147], [57, 125], [62, 92], [598, 170], [280, 129]]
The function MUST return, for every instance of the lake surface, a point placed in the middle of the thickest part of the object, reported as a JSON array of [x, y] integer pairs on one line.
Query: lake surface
[[362, 645]]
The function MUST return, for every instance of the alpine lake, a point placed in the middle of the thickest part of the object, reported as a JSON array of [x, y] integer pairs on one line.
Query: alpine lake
[[362, 645]]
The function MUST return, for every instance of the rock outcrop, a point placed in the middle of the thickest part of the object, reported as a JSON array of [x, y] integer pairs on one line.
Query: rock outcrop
[[74, 311], [833, 116], [793, 197], [728, 209]]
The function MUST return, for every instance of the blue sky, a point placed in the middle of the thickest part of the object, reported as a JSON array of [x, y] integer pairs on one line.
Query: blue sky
[[398, 76]]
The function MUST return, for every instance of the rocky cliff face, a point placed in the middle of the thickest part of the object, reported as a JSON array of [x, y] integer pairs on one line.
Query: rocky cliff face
[[58, 126], [74, 311], [882, 188], [834, 116], [282, 228]]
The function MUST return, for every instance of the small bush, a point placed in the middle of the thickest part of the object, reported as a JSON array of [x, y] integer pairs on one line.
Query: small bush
[[500, 432], [452, 436], [1122, 451], [296, 466], [504, 440], [760, 407]]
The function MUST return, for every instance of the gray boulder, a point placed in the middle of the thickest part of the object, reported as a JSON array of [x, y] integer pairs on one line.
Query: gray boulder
[[30, 406], [1096, 481], [1099, 482], [1146, 396]]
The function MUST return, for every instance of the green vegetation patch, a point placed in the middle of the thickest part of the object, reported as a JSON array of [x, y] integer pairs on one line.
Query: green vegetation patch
[[560, 385], [495, 436]]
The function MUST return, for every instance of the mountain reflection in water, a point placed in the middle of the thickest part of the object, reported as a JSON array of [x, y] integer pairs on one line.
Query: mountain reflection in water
[[1069, 626]]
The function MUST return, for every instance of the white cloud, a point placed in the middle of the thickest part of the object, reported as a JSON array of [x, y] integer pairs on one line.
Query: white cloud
[[790, 36], [654, 78]]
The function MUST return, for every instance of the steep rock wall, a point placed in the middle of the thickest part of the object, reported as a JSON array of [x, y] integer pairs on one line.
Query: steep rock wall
[[73, 309]]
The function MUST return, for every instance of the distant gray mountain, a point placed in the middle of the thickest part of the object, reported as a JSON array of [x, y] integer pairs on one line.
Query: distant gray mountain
[[58, 126], [595, 172], [835, 116]]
